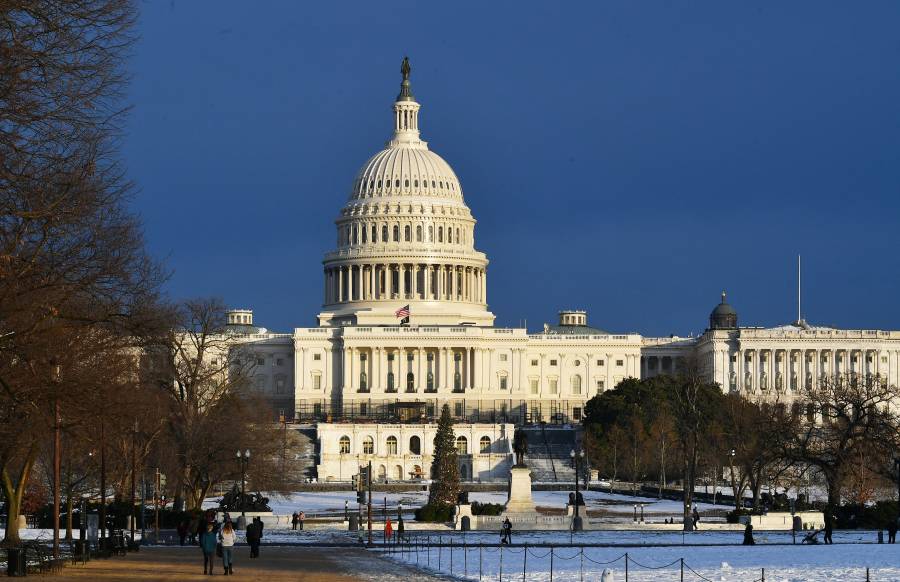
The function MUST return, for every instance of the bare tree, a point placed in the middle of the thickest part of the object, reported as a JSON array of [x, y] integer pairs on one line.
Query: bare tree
[[845, 417]]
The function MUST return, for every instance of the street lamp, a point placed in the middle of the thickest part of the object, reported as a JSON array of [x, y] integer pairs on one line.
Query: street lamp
[[243, 459], [642, 513], [55, 379], [737, 502], [577, 522]]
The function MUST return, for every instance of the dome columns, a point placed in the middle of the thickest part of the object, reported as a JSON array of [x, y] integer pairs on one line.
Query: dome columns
[[424, 281]]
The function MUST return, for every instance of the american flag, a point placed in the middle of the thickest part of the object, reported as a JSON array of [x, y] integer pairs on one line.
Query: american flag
[[402, 312]]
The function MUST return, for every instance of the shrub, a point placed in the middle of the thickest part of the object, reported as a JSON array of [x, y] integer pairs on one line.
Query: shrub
[[487, 508], [435, 513]]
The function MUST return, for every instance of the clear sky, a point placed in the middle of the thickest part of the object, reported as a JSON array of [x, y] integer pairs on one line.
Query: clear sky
[[628, 158]]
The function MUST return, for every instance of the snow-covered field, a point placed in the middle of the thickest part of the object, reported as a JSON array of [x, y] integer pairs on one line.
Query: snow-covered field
[[332, 502], [782, 563]]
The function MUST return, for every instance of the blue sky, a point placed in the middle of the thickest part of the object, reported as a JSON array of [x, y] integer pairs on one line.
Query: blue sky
[[628, 158]]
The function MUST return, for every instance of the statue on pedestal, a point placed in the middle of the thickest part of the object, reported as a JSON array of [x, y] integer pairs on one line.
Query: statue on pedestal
[[520, 447]]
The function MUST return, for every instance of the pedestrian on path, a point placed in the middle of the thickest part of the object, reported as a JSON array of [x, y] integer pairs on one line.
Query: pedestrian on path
[[748, 535], [300, 519], [696, 517], [829, 527], [253, 538], [388, 530], [294, 519], [182, 530], [208, 547], [400, 529], [892, 531], [227, 539], [194, 529]]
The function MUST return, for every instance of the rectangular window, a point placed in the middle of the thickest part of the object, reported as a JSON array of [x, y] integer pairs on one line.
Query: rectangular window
[[576, 413], [502, 382], [458, 409], [620, 362], [279, 362], [552, 362], [553, 386], [260, 362], [502, 357], [317, 357], [601, 384], [600, 362], [363, 408], [534, 362], [534, 386], [317, 382], [279, 386]]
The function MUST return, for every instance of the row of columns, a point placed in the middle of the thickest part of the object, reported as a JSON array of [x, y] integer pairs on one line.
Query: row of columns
[[367, 282], [789, 369], [375, 364]]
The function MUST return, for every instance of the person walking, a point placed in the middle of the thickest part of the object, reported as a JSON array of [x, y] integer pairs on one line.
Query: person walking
[[829, 527], [253, 537], [194, 529], [892, 531], [695, 516], [208, 547], [300, 519], [294, 519], [400, 529], [748, 535], [227, 538], [388, 530], [506, 535], [182, 530]]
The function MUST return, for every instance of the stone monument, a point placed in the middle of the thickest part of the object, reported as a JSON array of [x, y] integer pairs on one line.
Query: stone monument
[[519, 499]]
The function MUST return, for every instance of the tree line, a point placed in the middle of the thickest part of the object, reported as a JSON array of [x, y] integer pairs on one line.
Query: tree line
[[842, 430], [90, 346]]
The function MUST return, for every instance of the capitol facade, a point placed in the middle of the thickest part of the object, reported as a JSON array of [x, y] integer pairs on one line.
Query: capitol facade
[[372, 387]]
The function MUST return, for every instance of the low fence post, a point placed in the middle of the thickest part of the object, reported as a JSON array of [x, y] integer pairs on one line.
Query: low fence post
[[551, 563], [682, 569], [480, 547], [465, 558], [451, 557], [439, 552], [501, 563], [428, 547], [626, 566], [581, 567], [524, 561], [763, 579]]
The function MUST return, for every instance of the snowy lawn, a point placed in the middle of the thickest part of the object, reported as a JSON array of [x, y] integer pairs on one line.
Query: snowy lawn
[[782, 563]]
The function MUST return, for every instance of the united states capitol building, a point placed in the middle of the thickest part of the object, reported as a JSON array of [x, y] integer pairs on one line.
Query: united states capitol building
[[371, 387]]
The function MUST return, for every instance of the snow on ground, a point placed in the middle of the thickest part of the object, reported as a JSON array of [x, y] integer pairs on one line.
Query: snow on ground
[[332, 502], [734, 563], [46, 534]]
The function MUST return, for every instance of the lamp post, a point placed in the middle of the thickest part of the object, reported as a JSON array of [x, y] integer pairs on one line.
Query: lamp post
[[642, 513], [577, 458], [243, 459], [56, 459], [897, 464], [635, 513], [133, 475], [737, 502]]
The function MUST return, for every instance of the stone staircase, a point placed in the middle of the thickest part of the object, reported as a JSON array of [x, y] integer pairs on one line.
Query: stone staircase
[[548, 454]]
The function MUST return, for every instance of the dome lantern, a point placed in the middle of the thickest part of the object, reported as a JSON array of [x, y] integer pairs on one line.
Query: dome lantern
[[723, 316]]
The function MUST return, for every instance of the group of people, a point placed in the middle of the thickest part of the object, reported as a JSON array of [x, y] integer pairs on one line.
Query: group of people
[[217, 539], [297, 518]]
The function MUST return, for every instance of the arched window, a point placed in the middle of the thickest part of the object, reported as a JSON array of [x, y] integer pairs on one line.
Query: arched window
[[368, 446], [410, 382], [396, 233], [440, 234], [462, 446], [390, 382], [430, 386], [464, 472], [416, 183], [407, 233], [397, 183], [457, 237], [419, 233], [415, 445], [344, 444], [392, 445], [576, 384], [374, 233], [363, 382], [430, 233], [398, 471], [449, 235], [406, 183], [365, 232], [485, 444], [384, 236], [382, 473]]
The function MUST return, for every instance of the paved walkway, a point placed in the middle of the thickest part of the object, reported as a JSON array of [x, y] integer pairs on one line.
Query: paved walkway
[[276, 564]]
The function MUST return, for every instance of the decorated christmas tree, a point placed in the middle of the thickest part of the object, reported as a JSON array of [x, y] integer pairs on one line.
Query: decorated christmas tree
[[444, 468]]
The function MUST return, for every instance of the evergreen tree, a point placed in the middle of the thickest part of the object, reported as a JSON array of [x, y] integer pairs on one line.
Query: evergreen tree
[[444, 468]]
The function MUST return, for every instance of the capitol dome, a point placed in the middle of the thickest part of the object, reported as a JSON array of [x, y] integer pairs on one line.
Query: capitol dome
[[405, 238]]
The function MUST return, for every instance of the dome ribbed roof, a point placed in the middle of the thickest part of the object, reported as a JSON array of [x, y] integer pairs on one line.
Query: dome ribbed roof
[[723, 316], [407, 170]]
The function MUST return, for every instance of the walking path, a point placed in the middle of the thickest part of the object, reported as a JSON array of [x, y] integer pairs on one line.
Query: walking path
[[276, 564]]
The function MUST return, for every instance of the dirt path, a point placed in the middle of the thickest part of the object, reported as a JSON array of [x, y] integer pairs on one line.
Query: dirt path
[[276, 564]]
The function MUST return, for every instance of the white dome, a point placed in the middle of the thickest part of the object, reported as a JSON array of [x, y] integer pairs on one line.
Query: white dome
[[407, 169]]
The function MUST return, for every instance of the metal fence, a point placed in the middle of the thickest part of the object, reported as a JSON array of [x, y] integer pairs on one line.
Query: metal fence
[[490, 562]]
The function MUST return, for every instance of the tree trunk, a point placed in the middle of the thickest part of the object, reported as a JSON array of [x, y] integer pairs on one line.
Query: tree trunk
[[14, 493]]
